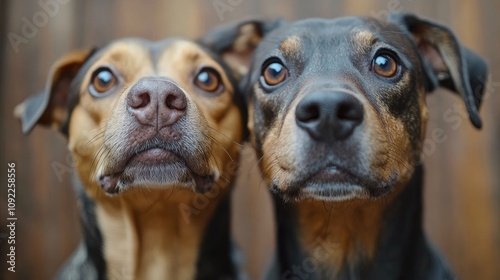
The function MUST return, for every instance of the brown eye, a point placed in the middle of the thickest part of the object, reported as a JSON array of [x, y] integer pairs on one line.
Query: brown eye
[[385, 66], [274, 73], [208, 80], [102, 81]]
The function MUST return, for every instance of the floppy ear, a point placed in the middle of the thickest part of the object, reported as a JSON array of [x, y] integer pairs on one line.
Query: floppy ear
[[235, 42], [447, 63], [50, 107]]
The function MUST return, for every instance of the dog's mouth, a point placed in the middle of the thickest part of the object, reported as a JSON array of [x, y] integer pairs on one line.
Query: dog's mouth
[[155, 164], [332, 182]]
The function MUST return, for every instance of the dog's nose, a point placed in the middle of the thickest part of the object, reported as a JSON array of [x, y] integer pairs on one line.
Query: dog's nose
[[156, 102], [329, 116]]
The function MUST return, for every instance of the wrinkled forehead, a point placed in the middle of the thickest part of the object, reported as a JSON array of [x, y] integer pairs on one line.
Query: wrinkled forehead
[[332, 37]]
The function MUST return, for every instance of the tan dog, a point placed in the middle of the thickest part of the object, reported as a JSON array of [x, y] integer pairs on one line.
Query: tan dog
[[149, 125]]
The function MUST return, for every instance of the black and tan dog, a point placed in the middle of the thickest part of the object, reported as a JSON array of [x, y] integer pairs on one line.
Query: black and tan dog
[[337, 113], [152, 127]]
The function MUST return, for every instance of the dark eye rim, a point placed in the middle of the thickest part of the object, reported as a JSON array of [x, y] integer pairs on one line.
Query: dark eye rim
[[221, 86], [99, 69], [266, 64], [394, 56]]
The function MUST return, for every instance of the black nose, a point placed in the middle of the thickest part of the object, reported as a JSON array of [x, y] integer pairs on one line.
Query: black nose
[[329, 116], [156, 102]]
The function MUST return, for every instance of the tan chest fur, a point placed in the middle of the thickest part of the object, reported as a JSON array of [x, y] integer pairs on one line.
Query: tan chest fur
[[146, 236]]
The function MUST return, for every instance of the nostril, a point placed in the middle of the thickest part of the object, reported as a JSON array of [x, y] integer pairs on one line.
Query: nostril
[[139, 100], [308, 112], [176, 101], [349, 111]]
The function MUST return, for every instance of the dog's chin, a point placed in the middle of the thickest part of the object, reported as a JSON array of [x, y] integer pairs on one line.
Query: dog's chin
[[324, 191], [158, 169], [333, 184], [335, 191]]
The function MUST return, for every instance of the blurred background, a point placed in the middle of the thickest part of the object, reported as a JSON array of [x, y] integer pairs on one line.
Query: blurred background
[[462, 194]]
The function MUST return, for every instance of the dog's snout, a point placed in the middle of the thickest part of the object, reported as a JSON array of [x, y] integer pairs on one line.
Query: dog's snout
[[328, 116], [156, 102]]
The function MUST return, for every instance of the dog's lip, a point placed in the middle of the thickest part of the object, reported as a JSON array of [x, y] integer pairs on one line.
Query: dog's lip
[[329, 173], [110, 183], [332, 173], [153, 156], [334, 181], [149, 156], [328, 181], [337, 192]]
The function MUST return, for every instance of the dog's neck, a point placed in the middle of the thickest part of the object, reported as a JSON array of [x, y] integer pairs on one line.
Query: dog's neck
[[152, 233], [355, 239], [344, 232]]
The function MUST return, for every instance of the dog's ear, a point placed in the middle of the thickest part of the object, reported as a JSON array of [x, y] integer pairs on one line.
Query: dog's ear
[[50, 107], [235, 42], [447, 63]]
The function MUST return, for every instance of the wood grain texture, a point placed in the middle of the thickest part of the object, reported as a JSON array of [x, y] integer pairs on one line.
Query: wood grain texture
[[462, 194]]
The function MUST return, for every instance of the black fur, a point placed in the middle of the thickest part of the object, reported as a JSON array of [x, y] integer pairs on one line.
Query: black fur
[[328, 59], [87, 262]]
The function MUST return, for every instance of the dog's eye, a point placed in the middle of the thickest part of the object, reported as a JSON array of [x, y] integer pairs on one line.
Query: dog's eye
[[103, 80], [208, 80], [385, 65], [274, 73]]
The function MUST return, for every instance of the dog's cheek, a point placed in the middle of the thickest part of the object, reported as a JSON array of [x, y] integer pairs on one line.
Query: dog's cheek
[[115, 117], [424, 116], [256, 128], [268, 161], [228, 134], [401, 151], [292, 143], [279, 151], [251, 124], [111, 127], [83, 142], [208, 126], [282, 143], [266, 110], [390, 147], [231, 127], [214, 108]]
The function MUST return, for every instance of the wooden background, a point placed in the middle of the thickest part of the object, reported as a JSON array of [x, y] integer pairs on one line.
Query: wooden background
[[462, 196]]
